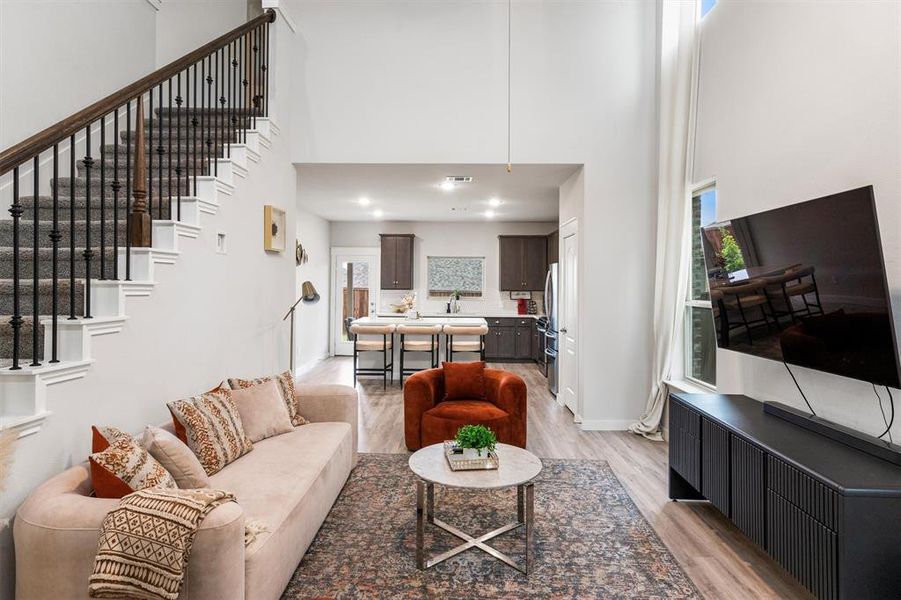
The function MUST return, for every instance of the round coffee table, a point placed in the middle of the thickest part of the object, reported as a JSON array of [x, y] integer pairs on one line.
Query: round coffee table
[[517, 467]]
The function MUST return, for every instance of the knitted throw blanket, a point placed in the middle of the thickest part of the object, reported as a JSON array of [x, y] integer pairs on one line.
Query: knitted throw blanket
[[145, 542]]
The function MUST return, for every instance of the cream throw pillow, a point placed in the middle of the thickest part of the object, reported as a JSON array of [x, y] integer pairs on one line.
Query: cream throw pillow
[[262, 410], [176, 457]]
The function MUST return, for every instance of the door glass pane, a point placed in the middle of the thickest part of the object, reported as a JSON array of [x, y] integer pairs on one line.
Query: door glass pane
[[354, 293], [703, 212], [703, 344]]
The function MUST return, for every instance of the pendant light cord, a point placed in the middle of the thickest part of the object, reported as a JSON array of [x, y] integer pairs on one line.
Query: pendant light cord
[[509, 60]]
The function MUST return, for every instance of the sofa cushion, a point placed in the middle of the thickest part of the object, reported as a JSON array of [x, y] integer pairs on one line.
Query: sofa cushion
[[211, 427], [125, 467], [464, 381], [175, 457], [304, 471], [263, 410], [444, 420], [285, 383]]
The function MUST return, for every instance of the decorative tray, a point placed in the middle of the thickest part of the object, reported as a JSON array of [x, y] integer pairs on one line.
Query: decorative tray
[[458, 463]]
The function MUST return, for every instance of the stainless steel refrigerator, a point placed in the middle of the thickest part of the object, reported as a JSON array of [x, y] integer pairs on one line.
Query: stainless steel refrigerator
[[550, 309]]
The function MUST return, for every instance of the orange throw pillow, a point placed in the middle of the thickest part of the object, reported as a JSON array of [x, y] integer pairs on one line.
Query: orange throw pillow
[[464, 381], [103, 436]]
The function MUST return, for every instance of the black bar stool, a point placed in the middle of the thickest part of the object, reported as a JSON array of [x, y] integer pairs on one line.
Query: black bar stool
[[385, 345], [429, 345]]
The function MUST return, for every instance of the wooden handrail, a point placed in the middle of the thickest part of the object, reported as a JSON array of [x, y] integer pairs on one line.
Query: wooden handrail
[[31, 147]]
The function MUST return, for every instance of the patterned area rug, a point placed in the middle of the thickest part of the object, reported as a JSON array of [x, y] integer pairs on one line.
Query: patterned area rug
[[590, 540]]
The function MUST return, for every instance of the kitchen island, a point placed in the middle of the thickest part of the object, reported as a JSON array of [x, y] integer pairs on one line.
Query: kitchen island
[[427, 319]]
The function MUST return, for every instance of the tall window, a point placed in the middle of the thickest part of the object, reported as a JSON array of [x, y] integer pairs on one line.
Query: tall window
[[700, 335], [706, 7]]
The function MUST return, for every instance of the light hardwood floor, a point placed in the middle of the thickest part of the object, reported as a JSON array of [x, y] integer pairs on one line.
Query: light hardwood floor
[[715, 554]]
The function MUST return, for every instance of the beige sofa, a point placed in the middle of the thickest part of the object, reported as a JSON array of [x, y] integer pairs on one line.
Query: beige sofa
[[289, 482]]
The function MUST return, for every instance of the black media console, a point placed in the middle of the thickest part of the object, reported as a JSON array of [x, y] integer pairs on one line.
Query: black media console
[[830, 514]]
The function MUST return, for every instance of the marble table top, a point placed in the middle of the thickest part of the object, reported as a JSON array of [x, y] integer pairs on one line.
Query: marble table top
[[516, 467]]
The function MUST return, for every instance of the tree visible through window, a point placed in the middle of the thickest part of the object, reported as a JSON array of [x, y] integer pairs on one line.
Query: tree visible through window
[[700, 334]]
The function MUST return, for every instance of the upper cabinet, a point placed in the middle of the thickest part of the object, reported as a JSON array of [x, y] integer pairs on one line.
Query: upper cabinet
[[523, 262], [553, 247], [397, 261]]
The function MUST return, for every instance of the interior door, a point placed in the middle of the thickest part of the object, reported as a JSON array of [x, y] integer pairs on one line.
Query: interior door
[[356, 289], [569, 322]]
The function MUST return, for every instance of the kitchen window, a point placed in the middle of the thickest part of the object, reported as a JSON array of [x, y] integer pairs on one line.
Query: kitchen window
[[700, 335]]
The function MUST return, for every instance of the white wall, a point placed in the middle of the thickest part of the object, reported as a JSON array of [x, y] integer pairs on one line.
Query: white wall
[[312, 320], [58, 56], [799, 100], [425, 82], [184, 25], [443, 239]]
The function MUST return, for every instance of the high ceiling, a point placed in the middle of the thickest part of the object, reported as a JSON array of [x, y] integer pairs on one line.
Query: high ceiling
[[414, 192]]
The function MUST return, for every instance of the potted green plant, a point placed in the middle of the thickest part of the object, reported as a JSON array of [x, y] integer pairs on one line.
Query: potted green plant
[[473, 439]]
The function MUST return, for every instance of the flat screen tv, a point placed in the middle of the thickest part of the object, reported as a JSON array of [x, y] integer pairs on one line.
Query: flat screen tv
[[805, 284]]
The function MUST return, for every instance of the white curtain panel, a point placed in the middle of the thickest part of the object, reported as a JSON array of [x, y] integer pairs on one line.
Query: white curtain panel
[[678, 86]]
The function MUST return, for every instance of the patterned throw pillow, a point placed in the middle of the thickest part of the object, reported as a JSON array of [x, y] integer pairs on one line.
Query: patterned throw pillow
[[211, 427], [103, 436], [124, 467], [285, 383]]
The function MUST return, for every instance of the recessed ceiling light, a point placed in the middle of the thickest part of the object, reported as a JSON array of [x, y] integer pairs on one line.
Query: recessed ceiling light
[[489, 214], [494, 201], [364, 201], [447, 185], [377, 213]]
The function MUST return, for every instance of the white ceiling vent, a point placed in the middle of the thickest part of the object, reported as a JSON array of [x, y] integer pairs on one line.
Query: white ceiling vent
[[458, 179]]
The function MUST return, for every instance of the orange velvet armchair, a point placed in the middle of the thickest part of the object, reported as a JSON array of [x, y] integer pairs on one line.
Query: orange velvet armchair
[[429, 419]]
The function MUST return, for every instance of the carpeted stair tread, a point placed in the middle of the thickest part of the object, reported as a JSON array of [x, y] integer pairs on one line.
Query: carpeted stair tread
[[45, 262], [45, 296], [25, 340], [26, 232]]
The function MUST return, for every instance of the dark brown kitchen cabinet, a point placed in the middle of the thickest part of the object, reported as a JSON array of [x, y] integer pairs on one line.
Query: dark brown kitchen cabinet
[[509, 339], [523, 262], [553, 247], [500, 343], [523, 342], [397, 261]]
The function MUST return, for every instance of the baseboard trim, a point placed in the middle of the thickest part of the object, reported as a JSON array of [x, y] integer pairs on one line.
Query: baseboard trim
[[606, 424]]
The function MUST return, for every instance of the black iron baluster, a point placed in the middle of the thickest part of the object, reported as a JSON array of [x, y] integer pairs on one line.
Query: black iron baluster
[[233, 90], [215, 101], [55, 237], [116, 185], [102, 198], [149, 157], [254, 77], [169, 152], [35, 265], [245, 119], [192, 153], [16, 210], [160, 151], [72, 227], [231, 113], [128, 191], [177, 148], [209, 103], [202, 102], [265, 69], [88, 253]]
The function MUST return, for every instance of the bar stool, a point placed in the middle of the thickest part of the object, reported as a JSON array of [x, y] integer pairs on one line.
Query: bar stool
[[452, 347], [429, 345], [384, 345]]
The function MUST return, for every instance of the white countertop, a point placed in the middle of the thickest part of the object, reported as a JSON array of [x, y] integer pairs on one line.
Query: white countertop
[[462, 320], [488, 314]]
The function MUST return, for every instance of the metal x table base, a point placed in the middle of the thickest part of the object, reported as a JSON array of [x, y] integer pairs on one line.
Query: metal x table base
[[425, 512]]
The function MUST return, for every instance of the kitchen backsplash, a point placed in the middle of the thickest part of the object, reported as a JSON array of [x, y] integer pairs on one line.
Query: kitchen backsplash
[[490, 302]]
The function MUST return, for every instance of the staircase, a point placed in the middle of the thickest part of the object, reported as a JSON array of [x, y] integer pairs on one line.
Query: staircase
[[80, 243]]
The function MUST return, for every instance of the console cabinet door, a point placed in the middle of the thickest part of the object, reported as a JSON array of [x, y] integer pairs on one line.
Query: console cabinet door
[[685, 443], [749, 489], [715, 459]]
